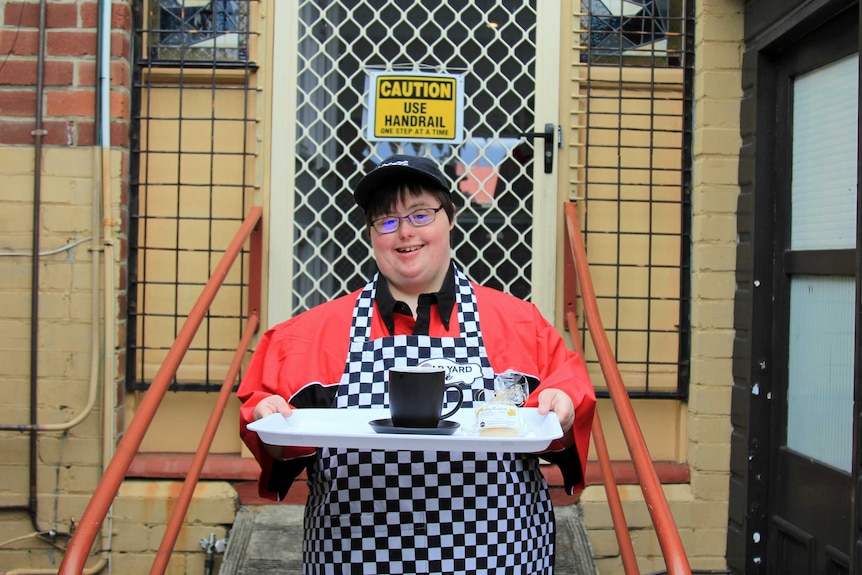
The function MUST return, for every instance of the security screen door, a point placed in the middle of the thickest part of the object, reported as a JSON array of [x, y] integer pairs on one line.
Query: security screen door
[[506, 202]]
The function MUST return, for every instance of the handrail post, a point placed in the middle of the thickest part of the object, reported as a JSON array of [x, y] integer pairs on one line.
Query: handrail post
[[618, 516], [255, 268], [79, 546], [175, 523], [657, 505]]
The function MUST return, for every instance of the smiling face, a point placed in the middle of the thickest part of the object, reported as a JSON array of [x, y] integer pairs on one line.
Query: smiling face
[[414, 259]]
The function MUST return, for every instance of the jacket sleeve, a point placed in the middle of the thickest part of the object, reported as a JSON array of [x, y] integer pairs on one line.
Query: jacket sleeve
[[564, 369], [301, 360], [570, 452], [260, 381], [518, 337]]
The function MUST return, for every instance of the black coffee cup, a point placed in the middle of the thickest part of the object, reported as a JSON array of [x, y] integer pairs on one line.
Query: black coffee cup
[[416, 396]]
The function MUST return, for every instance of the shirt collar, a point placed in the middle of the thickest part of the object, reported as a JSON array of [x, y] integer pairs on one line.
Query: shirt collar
[[387, 304]]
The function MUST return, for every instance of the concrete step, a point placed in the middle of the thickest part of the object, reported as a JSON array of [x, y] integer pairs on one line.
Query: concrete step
[[267, 539]]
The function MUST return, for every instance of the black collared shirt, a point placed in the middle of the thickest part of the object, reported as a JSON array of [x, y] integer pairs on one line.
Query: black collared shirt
[[445, 300]]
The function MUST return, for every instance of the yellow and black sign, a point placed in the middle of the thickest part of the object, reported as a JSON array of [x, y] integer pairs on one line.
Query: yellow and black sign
[[416, 107]]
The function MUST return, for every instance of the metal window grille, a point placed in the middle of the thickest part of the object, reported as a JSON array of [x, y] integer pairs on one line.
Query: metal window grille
[[633, 32], [636, 181], [205, 30], [193, 155]]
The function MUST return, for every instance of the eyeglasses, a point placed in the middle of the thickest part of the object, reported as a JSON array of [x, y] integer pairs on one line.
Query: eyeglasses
[[418, 218]]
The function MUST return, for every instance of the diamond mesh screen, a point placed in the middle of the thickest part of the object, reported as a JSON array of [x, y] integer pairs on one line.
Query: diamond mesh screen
[[493, 44]]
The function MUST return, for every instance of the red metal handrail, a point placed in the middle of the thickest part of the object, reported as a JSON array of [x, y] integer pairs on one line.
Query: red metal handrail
[[618, 516], [79, 547], [669, 540], [83, 539], [177, 518]]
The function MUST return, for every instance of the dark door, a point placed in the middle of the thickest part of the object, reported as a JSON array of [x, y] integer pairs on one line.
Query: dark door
[[811, 486]]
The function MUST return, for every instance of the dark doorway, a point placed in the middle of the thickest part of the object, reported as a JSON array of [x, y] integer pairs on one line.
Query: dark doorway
[[814, 304]]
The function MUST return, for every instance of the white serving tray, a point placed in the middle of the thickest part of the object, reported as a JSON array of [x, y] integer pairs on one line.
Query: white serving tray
[[349, 428]]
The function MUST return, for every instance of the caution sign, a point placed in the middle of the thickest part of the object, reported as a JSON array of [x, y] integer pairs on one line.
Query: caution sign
[[416, 107]]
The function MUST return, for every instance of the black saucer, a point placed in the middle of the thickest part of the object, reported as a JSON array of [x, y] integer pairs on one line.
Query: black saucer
[[445, 427]]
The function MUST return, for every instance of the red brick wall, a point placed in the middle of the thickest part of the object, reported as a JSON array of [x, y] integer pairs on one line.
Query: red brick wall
[[70, 74]]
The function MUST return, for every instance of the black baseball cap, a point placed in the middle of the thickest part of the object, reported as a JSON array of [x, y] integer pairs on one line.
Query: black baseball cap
[[401, 167]]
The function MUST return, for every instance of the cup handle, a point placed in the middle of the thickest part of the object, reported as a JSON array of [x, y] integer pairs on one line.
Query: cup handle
[[452, 411]]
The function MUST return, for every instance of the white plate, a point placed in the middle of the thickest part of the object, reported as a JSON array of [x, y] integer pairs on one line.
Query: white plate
[[349, 428]]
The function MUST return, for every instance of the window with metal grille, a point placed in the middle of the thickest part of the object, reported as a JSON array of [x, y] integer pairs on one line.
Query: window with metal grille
[[633, 32], [205, 30], [634, 185], [193, 152]]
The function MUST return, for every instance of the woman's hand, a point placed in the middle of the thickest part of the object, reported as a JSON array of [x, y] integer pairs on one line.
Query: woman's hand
[[270, 405], [559, 402]]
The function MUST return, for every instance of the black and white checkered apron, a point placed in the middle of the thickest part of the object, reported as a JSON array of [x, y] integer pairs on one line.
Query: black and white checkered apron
[[410, 512]]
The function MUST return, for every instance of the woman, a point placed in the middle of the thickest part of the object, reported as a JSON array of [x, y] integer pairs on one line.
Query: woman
[[417, 512]]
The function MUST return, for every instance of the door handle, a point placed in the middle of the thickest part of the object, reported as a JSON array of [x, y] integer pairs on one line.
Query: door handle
[[548, 137]]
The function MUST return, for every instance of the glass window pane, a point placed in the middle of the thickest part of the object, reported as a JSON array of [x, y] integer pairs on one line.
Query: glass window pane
[[820, 378], [633, 32], [201, 30], [825, 102]]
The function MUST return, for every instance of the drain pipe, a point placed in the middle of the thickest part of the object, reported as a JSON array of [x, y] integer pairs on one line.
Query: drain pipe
[[109, 360], [38, 134]]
